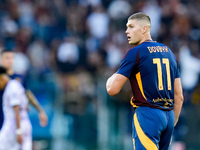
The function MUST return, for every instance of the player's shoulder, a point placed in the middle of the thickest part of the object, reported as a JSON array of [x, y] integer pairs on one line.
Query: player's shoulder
[[131, 52], [14, 84], [17, 77]]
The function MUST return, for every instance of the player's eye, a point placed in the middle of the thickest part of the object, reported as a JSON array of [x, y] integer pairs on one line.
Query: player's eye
[[129, 27]]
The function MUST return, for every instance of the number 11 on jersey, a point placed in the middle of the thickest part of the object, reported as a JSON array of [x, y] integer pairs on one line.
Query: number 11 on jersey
[[165, 61]]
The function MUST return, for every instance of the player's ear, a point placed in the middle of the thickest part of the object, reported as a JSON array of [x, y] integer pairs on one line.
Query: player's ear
[[144, 29]]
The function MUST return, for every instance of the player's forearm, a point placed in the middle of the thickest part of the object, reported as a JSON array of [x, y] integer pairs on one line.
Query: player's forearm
[[178, 101], [17, 116], [18, 119], [33, 100]]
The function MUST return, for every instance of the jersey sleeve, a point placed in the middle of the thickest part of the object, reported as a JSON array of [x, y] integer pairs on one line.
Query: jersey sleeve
[[128, 62], [177, 73], [14, 95]]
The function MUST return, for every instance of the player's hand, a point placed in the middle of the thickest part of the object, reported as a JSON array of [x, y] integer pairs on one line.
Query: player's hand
[[43, 119], [19, 139]]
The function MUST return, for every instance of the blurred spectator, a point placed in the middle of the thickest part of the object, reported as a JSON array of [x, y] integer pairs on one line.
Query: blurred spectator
[[26, 14], [22, 63], [39, 63], [98, 23], [190, 69], [114, 55], [93, 3], [154, 11], [116, 9], [68, 55]]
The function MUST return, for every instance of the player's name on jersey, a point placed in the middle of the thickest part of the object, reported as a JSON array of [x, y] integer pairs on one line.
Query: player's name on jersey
[[163, 100], [154, 49]]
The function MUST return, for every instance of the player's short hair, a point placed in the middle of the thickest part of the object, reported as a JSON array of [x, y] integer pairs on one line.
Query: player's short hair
[[6, 51], [141, 17], [3, 70]]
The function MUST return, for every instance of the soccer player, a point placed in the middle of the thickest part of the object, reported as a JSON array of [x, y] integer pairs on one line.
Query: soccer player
[[152, 70], [16, 130], [7, 59]]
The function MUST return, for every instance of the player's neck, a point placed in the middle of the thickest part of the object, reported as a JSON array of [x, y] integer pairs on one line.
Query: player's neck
[[146, 38], [6, 80], [10, 72]]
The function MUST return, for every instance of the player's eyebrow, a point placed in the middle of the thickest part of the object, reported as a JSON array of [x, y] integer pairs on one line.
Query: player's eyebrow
[[129, 25]]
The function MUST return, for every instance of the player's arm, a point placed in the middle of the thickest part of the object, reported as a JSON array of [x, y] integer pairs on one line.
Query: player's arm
[[17, 117], [178, 99], [42, 115], [115, 83]]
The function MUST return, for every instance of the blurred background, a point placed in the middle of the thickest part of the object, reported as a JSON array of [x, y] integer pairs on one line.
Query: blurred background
[[67, 49]]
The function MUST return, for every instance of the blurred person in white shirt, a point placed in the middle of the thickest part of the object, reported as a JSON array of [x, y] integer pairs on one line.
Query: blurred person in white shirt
[[16, 132], [7, 61]]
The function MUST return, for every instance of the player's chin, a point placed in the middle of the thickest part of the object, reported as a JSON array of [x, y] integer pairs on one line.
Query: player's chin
[[131, 43]]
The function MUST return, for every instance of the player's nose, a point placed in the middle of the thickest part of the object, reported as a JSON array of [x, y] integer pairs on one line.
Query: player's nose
[[126, 31]]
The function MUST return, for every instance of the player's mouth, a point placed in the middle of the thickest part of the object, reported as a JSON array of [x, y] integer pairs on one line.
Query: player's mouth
[[129, 38]]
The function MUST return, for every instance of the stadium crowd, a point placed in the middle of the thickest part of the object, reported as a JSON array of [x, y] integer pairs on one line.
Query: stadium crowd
[[68, 48]]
